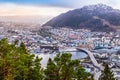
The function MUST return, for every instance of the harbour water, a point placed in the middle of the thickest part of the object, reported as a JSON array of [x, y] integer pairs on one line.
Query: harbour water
[[45, 57]]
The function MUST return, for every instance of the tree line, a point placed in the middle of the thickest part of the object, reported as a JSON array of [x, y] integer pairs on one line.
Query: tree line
[[16, 63]]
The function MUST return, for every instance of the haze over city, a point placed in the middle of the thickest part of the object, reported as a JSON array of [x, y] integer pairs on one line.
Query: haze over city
[[45, 9]]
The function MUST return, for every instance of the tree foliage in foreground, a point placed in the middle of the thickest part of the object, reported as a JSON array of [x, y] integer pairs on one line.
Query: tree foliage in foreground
[[17, 64], [107, 74], [62, 67]]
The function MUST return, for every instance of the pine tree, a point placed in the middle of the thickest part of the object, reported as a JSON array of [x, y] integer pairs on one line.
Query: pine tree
[[81, 74], [51, 71], [107, 74], [62, 67], [92, 77], [36, 73], [17, 64]]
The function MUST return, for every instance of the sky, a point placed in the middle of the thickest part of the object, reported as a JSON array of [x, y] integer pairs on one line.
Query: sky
[[47, 7]]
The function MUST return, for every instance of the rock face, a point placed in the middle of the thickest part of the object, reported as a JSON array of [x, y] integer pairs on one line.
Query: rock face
[[94, 17]]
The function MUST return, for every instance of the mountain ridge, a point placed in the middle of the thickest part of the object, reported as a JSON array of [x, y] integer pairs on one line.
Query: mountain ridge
[[92, 17]]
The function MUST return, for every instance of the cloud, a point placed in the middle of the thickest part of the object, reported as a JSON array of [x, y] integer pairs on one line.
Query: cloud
[[10, 9], [50, 8], [81, 3]]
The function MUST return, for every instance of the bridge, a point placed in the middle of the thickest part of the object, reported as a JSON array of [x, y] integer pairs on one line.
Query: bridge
[[90, 54]]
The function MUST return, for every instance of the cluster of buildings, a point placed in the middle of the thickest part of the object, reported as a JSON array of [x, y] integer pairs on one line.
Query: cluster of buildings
[[62, 37], [103, 45], [83, 37]]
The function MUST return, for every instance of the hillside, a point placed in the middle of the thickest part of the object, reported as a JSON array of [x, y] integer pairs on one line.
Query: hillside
[[98, 17]]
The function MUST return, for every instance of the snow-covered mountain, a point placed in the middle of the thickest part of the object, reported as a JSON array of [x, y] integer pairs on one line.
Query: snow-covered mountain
[[98, 17]]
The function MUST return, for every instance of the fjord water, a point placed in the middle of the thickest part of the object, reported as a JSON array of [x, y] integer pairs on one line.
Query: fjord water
[[75, 55]]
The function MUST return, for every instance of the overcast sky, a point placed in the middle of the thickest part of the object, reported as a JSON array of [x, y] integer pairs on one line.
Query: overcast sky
[[47, 7]]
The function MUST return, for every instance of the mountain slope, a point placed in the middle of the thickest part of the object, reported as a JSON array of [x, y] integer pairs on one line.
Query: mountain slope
[[94, 17]]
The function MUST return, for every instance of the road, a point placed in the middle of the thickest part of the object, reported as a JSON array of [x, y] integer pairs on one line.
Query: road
[[94, 61], [90, 54]]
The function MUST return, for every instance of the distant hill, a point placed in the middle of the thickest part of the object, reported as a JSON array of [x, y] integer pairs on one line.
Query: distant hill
[[98, 17]]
